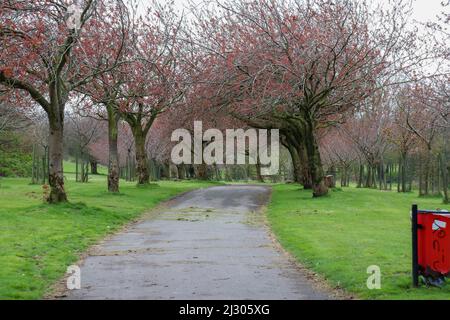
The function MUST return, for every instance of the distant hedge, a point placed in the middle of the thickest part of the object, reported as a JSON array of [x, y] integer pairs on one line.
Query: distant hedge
[[15, 164], [15, 156]]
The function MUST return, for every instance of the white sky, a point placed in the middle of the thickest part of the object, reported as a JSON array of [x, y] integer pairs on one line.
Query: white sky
[[427, 10], [424, 10]]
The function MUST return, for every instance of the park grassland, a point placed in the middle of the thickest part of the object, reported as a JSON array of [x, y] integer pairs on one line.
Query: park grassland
[[341, 235], [39, 241]]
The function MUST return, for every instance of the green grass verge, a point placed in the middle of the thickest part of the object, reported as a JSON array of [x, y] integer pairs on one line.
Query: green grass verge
[[341, 235], [70, 170], [39, 241]]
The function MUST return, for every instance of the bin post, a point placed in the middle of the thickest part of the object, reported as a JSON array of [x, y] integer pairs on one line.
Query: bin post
[[415, 253]]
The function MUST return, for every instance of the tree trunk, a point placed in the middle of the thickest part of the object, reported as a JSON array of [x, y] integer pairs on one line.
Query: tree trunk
[[315, 164], [361, 176], [347, 182], [201, 171], [113, 166], [380, 176], [56, 175], [77, 166], [295, 143], [444, 172], [85, 175], [34, 167], [426, 181], [228, 176], [296, 165], [333, 172], [369, 176], [143, 175], [307, 180], [94, 166], [390, 177], [421, 192], [82, 168], [182, 171], [218, 173], [404, 172], [44, 172], [259, 176]]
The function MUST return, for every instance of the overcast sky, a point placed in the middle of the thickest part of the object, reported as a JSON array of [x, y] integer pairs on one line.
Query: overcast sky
[[424, 10], [427, 10]]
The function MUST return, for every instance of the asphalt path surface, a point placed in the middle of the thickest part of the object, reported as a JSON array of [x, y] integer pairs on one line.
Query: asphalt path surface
[[209, 244]]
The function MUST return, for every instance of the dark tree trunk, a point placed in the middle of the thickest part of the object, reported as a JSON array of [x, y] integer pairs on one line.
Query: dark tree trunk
[[113, 166], [295, 143], [140, 131], [259, 176], [444, 171], [315, 163], [390, 177], [369, 176], [403, 172], [34, 167], [307, 179], [347, 183], [45, 173], [380, 176], [228, 176], [361, 176], [77, 166], [142, 173], [94, 166], [333, 172], [56, 175], [181, 171], [83, 174], [296, 164], [201, 171], [218, 173], [426, 182], [84, 170], [345, 175]]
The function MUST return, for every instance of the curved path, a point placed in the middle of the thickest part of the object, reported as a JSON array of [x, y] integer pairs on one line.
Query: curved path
[[206, 244]]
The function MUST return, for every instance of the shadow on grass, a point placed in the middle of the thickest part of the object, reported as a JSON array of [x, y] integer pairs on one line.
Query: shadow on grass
[[151, 185]]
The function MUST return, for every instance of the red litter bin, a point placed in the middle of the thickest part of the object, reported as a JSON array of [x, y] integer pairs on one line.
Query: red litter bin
[[431, 244]]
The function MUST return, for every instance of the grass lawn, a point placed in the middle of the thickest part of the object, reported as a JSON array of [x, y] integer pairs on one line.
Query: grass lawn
[[341, 235], [38, 241]]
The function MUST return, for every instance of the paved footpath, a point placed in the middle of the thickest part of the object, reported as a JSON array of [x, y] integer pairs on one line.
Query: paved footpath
[[207, 244]]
